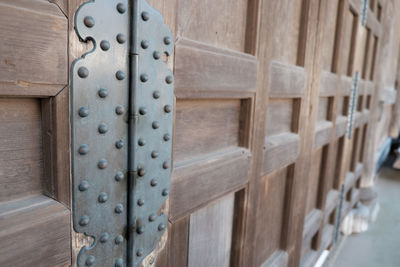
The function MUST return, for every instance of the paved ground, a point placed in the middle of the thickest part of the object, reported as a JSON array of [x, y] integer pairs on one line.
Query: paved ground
[[380, 245]]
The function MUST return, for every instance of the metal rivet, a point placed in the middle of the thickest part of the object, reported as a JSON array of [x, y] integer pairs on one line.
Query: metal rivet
[[142, 111], [103, 128], [165, 192], [84, 220], [120, 75], [156, 55], [90, 261], [103, 93], [121, 38], [167, 108], [83, 112], [119, 208], [104, 238], [167, 137], [119, 263], [169, 79], [119, 239], [165, 165], [119, 144], [83, 149], [156, 94], [102, 164], [84, 185], [144, 78], [167, 40], [161, 227], [119, 176], [153, 182], [141, 142], [152, 218], [141, 172], [139, 252], [145, 44], [83, 72], [119, 110], [154, 154], [88, 21], [104, 45], [103, 197], [145, 16], [140, 202], [140, 230], [121, 8], [156, 125]]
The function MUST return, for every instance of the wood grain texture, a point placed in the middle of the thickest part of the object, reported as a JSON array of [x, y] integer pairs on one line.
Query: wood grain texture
[[279, 259], [287, 81], [208, 71], [34, 54]]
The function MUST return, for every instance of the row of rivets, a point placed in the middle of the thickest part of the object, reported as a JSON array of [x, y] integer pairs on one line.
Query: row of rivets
[[140, 229], [84, 111]]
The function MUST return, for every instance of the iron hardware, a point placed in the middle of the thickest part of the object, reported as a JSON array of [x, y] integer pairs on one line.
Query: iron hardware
[[352, 106], [364, 12], [121, 115]]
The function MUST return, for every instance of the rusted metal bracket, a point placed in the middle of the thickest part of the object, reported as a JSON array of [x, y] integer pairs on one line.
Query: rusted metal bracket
[[121, 115], [352, 106]]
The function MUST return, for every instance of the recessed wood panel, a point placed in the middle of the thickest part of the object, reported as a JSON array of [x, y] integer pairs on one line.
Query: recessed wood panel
[[313, 182], [329, 34], [205, 126], [211, 22], [282, 114], [20, 148], [210, 235]]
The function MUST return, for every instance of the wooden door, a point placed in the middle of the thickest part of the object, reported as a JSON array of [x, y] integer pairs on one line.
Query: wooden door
[[34, 132]]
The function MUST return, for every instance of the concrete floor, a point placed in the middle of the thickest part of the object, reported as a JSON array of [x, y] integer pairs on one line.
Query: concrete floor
[[380, 245]]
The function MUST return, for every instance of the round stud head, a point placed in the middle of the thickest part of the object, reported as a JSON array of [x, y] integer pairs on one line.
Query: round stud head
[[145, 15], [154, 154], [167, 108], [104, 237], [83, 186], [121, 8], [144, 78], [105, 45], [119, 239], [161, 227], [119, 208], [119, 110], [152, 218], [153, 183], [165, 192], [139, 252], [142, 111], [156, 95], [145, 44], [103, 128], [83, 149], [167, 137], [169, 79], [84, 220], [103, 197], [167, 40], [88, 21], [119, 262], [141, 172], [120, 75], [155, 125], [83, 112], [141, 142], [103, 93], [140, 230], [83, 72], [156, 55], [90, 261], [165, 165], [119, 176], [121, 38], [119, 144], [102, 164], [140, 202]]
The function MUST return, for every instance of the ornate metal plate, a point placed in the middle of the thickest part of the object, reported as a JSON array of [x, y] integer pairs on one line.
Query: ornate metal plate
[[121, 113], [352, 106]]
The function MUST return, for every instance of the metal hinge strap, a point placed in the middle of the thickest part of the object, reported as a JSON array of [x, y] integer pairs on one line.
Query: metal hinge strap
[[352, 106], [364, 12]]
